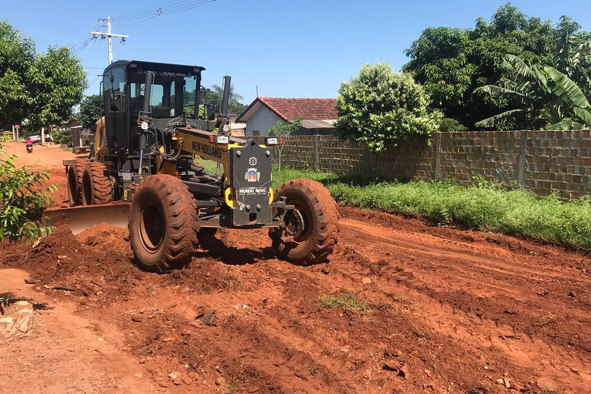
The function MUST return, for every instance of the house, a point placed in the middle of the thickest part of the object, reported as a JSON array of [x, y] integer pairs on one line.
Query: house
[[319, 115]]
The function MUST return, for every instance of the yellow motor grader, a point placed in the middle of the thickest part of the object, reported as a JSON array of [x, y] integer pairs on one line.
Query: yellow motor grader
[[144, 173]]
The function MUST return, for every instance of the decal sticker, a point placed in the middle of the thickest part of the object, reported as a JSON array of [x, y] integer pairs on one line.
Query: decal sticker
[[252, 175]]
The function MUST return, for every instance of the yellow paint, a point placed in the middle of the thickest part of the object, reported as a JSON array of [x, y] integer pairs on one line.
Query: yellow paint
[[100, 146], [230, 197]]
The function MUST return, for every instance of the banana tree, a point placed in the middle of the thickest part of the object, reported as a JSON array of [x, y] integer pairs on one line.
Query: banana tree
[[541, 97]]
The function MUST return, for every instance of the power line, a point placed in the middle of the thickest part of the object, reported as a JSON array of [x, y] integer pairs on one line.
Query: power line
[[159, 10], [87, 41], [174, 8]]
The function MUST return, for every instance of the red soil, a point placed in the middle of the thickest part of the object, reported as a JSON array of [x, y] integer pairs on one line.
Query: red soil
[[448, 310]]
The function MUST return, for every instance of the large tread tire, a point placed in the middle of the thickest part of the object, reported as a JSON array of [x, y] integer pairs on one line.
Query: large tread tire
[[163, 223], [315, 203], [75, 174], [96, 184]]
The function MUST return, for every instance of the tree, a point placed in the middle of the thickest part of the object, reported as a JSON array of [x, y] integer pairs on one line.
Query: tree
[[539, 97], [23, 193], [282, 129], [17, 54], [215, 95], [90, 110], [381, 107], [453, 63], [58, 81]]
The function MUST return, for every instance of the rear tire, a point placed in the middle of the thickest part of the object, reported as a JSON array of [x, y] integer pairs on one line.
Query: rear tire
[[75, 174], [163, 223], [320, 216], [96, 185]]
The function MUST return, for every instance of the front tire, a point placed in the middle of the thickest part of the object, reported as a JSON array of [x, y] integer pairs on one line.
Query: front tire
[[312, 228], [163, 223], [96, 185], [75, 175]]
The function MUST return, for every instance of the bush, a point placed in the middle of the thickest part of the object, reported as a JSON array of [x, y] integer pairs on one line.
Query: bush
[[449, 124], [381, 107], [23, 194], [62, 137]]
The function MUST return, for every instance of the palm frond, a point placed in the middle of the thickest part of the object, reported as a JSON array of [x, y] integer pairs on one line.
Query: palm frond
[[565, 125], [584, 115], [494, 120], [566, 89], [497, 91], [512, 62]]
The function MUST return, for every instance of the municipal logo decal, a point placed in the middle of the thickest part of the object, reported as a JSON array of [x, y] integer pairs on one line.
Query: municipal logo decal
[[252, 175]]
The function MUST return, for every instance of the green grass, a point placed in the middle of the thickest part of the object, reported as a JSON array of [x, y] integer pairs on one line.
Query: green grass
[[346, 301], [483, 207]]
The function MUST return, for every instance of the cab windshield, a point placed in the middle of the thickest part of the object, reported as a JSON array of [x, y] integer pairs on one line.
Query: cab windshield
[[171, 95]]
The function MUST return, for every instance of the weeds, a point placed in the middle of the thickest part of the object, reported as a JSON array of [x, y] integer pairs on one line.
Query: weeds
[[346, 301], [484, 206]]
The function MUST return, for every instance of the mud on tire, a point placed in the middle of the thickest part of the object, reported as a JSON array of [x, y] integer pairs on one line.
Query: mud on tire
[[163, 223], [75, 174], [320, 215], [96, 185]]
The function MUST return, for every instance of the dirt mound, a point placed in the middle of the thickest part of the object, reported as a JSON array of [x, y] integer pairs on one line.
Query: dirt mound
[[105, 237]]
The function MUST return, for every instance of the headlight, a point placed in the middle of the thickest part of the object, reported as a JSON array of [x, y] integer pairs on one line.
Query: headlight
[[273, 141], [219, 139]]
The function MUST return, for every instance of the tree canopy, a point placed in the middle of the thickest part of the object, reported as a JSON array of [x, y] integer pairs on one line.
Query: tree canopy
[[380, 107], [40, 87], [453, 63], [90, 110]]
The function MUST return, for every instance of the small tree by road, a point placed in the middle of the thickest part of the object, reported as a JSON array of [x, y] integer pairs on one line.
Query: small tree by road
[[90, 111], [23, 194], [381, 107], [282, 129]]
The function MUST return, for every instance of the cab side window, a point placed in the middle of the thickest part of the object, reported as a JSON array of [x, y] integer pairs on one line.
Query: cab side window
[[114, 89]]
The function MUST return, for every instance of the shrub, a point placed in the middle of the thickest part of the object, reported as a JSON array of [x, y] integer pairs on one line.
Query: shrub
[[381, 107], [449, 124], [63, 137], [23, 194]]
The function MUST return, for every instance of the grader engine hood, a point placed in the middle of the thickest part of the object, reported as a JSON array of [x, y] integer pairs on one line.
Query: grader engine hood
[[251, 167]]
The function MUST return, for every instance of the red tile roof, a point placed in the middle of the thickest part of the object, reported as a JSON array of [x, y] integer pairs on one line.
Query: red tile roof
[[308, 108]]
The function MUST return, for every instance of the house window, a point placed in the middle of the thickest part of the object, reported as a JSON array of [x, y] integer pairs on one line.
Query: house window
[[256, 133]]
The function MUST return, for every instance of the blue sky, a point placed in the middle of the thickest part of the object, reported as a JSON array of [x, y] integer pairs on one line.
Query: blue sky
[[294, 48]]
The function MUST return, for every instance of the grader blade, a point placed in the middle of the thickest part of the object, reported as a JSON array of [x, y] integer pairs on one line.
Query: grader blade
[[84, 217]]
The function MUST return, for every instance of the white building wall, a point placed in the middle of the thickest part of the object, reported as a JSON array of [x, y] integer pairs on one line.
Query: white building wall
[[262, 120]]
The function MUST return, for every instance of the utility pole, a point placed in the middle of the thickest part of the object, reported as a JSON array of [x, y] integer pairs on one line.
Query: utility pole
[[109, 35]]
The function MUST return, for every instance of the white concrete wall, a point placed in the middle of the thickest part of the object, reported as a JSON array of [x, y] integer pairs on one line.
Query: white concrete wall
[[262, 120]]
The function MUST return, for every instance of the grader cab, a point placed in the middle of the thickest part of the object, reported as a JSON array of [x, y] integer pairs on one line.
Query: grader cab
[[147, 152]]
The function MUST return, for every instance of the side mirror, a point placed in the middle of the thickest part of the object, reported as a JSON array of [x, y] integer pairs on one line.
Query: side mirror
[[210, 111]]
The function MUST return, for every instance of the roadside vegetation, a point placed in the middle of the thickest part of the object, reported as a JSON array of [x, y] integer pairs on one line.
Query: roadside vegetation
[[23, 193], [484, 206], [345, 301]]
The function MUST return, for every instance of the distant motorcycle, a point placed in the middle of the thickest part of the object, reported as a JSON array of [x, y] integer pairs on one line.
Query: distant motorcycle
[[30, 148]]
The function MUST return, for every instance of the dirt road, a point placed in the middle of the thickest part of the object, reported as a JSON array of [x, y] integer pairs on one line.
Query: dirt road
[[447, 311]]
